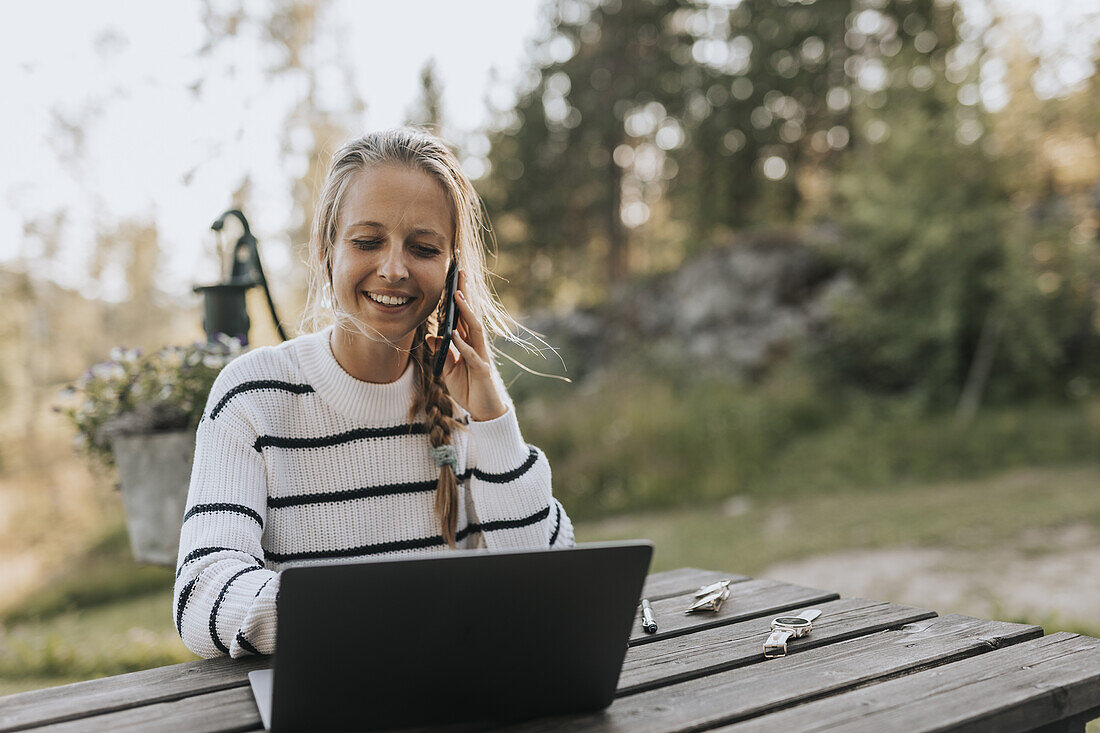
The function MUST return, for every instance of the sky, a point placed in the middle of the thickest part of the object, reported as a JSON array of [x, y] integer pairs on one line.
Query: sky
[[111, 113], [159, 150]]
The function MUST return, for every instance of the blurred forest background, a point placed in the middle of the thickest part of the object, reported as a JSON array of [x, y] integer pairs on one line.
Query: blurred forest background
[[825, 276]]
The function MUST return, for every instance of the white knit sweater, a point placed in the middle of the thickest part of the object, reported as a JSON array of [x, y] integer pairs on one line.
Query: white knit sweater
[[299, 463]]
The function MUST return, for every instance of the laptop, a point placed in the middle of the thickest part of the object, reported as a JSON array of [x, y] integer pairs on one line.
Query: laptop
[[455, 637]]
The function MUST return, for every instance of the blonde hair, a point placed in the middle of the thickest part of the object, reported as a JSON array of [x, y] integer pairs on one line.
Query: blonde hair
[[418, 150]]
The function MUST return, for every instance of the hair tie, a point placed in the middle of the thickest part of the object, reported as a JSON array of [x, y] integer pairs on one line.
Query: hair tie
[[445, 454]]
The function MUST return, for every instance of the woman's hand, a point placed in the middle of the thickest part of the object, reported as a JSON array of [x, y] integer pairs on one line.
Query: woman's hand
[[468, 374]]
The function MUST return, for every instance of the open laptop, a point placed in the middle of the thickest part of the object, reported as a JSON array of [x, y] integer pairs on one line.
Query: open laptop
[[454, 637]]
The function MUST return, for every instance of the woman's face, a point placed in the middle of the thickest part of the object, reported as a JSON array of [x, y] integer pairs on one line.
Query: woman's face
[[393, 247]]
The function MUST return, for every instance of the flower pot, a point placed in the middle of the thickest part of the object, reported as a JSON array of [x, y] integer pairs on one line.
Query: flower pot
[[154, 471]]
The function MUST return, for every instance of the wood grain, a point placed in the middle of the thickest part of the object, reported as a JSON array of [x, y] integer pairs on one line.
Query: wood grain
[[735, 645], [767, 686], [81, 699], [1013, 689], [748, 599], [683, 580], [224, 711]]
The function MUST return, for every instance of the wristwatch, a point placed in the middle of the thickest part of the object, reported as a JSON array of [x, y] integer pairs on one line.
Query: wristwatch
[[788, 627]]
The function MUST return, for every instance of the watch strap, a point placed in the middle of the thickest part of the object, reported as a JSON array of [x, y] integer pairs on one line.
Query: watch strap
[[776, 643]]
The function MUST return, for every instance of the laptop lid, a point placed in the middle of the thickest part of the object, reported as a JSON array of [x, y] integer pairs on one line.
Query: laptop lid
[[461, 636]]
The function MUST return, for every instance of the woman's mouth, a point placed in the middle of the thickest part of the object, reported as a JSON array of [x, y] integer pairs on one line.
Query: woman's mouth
[[389, 302]]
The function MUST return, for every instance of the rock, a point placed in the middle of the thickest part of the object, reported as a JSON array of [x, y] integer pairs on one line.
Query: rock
[[732, 311]]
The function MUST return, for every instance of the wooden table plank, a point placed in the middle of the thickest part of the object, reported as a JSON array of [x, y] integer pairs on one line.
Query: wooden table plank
[[766, 686], [683, 580], [82, 699], [735, 645], [164, 684], [1015, 689], [748, 599], [225, 711]]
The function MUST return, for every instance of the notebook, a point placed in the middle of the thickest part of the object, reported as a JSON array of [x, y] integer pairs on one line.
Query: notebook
[[453, 637]]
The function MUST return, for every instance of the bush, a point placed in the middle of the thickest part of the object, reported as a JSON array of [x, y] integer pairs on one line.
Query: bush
[[638, 441]]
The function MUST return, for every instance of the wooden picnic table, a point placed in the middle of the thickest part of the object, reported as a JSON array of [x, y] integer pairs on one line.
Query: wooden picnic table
[[867, 666]]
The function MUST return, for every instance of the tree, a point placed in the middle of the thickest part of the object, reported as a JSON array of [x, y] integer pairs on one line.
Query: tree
[[563, 160], [768, 103], [427, 111], [940, 267], [731, 115]]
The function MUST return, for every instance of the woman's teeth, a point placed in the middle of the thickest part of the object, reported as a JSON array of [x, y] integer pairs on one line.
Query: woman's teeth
[[388, 299]]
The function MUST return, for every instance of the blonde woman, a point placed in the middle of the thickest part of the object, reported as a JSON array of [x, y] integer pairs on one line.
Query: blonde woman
[[339, 445]]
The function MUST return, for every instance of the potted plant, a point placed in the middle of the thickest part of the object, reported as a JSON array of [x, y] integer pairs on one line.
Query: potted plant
[[138, 413]]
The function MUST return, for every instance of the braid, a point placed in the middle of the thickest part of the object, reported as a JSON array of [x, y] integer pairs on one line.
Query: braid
[[432, 397]]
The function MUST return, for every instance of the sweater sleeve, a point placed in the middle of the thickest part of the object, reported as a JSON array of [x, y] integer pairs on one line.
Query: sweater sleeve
[[511, 489], [224, 596]]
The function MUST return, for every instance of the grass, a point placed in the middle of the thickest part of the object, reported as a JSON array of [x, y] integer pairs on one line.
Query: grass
[[754, 533], [101, 614], [102, 574], [126, 635]]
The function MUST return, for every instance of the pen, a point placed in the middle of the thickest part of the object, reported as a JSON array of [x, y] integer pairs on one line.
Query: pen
[[647, 618]]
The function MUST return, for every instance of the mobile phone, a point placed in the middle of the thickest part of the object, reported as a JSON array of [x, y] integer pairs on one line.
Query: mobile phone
[[447, 322]]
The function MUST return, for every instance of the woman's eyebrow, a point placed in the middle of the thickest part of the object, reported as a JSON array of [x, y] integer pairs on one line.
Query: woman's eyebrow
[[419, 230], [365, 224]]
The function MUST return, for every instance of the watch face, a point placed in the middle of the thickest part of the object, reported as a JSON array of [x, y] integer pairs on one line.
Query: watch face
[[791, 621]]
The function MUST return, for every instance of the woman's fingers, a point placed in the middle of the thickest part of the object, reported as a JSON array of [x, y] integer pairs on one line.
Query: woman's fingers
[[473, 332], [474, 361], [468, 352]]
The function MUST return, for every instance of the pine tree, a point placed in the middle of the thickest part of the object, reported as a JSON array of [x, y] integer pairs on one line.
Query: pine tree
[[427, 110]]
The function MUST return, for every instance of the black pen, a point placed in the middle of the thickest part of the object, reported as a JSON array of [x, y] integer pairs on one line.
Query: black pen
[[647, 618]]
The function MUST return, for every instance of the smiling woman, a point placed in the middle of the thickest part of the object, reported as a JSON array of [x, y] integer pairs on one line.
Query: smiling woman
[[341, 444], [387, 266]]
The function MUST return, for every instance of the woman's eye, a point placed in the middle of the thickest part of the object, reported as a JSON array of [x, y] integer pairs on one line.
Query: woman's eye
[[365, 243], [425, 251]]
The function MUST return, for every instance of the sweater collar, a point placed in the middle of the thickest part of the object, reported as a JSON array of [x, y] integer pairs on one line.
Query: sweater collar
[[362, 402]]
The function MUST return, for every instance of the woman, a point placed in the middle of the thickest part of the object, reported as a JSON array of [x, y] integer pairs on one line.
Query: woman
[[339, 445]]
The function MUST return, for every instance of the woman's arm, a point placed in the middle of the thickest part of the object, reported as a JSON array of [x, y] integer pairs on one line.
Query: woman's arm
[[224, 596], [509, 479], [510, 485]]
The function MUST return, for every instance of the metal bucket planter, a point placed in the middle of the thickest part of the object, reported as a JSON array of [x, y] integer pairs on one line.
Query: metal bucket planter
[[154, 470]]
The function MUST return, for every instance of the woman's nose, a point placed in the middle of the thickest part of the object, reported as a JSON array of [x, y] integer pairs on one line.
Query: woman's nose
[[392, 267]]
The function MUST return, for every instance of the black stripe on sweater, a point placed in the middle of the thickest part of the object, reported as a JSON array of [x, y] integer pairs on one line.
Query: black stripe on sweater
[[182, 603], [246, 645], [217, 604], [259, 384], [413, 544], [557, 526], [503, 478], [324, 441], [515, 523], [367, 492], [204, 551], [261, 590], [413, 487], [222, 507]]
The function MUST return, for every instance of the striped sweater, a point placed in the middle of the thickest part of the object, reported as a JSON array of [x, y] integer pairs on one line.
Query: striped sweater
[[299, 463]]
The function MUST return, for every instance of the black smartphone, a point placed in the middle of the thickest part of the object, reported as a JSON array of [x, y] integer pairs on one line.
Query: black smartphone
[[447, 322]]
